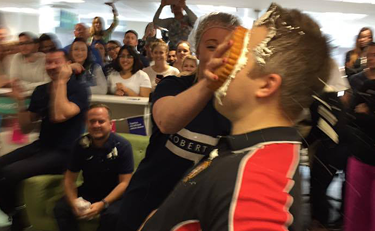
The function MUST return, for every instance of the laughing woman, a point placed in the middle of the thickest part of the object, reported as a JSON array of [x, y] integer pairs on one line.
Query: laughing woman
[[85, 70], [160, 69], [129, 79]]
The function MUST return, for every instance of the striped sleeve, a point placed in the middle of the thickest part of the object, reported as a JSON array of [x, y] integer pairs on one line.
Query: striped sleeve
[[261, 197]]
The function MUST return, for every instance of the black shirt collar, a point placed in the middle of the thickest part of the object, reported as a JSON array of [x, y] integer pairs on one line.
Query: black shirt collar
[[109, 144], [274, 134]]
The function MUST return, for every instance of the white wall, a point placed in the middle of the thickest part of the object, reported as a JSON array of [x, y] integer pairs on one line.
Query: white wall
[[19, 22]]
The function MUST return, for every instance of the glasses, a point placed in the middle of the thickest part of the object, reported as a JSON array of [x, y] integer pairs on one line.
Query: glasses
[[126, 57]]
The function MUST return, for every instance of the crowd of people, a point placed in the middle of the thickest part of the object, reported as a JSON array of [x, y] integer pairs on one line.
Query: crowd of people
[[214, 161], [103, 65]]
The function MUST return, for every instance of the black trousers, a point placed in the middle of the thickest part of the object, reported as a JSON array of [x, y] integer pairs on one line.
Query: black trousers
[[67, 221], [28, 161], [328, 158]]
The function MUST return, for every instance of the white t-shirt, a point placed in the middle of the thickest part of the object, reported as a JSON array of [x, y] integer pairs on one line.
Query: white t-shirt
[[152, 74], [134, 83], [31, 74]]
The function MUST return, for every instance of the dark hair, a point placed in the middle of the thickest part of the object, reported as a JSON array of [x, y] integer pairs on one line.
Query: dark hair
[[137, 65], [362, 30], [29, 35], [356, 52], [66, 55], [101, 105], [101, 41], [49, 37], [88, 60], [371, 44], [131, 31], [114, 42]]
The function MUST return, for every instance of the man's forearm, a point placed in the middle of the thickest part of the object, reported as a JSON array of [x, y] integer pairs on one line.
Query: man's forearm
[[70, 189], [117, 192], [24, 118], [61, 109], [157, 21], [171, 114], [192, 17]]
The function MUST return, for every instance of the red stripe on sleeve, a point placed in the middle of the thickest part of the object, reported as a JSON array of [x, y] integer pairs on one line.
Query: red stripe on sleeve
[[261, 198], [191, 225]]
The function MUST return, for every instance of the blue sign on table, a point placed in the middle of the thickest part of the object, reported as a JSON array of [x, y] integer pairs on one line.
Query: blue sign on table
[[137, 126]]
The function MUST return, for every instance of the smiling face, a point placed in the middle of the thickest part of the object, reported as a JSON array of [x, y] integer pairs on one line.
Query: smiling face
[[126, 61], [159, 54], [97, 25], [171, 56], [183, 49], [79, 52], [189, 66], [99, 123]]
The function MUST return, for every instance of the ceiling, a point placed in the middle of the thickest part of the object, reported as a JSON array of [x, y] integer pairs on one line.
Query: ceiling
[[143, 10], [340, 20]]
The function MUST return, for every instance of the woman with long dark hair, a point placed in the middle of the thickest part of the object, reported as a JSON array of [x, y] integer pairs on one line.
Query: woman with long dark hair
[[129, 79], [355, 60]]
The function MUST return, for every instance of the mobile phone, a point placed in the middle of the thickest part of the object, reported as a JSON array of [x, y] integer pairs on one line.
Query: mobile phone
[[159, 76]]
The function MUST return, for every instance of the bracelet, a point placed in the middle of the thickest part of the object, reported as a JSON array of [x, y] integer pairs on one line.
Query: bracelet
[[106, 204]]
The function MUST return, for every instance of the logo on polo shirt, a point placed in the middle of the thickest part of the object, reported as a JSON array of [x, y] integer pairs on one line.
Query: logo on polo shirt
[[190, 145]]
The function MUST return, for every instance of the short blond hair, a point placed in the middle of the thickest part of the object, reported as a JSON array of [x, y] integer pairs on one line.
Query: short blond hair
[[190, 57]]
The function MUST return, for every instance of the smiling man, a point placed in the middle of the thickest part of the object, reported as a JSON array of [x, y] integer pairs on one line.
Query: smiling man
[[106, 161], [246, 184]]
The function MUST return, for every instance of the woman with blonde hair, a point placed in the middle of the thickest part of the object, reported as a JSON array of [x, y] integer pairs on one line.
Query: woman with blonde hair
[[189, 65], [97, 31], [355, 60], [160, 69], [182, 50], [128, 79]]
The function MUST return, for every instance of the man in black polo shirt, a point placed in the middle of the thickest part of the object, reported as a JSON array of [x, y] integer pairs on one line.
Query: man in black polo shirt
[[246, 183], [106, 160], [60, 105]]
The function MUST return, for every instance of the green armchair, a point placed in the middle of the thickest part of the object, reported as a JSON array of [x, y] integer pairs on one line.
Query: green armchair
[[41, 192]]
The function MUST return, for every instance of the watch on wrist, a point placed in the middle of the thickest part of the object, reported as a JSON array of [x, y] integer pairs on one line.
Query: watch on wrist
[[106, 204]]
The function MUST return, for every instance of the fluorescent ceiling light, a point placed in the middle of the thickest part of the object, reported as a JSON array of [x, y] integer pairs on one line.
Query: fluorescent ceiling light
[[20, 10]]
